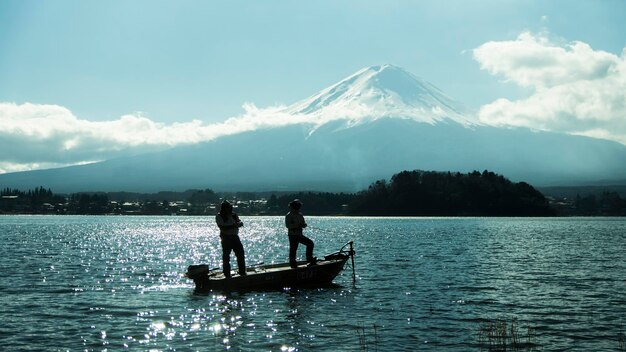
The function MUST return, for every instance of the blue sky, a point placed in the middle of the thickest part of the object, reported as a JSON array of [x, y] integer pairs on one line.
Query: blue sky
[[167, 63]]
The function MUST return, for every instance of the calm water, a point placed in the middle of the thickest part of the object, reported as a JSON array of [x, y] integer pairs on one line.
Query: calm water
[[109, 283]]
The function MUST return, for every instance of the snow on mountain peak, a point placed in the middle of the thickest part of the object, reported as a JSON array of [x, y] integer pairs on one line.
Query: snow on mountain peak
[[381, 91]]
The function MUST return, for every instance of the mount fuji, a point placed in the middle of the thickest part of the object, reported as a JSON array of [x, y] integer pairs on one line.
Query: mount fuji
[[375, 123], [381, 91]]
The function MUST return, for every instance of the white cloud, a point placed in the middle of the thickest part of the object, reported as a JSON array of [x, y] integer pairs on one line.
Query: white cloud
[[17, 167], [35, 136], [577, 90], [41, 136]]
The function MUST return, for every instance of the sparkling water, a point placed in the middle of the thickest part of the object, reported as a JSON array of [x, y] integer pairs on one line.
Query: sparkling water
[[114, 283]]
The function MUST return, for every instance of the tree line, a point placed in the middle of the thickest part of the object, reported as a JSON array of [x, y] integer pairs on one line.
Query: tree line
[[408, 193], [43, 201], [429, 193], [607, 203]]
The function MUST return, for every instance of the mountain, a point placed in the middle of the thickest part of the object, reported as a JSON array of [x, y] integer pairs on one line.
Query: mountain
[[377, 122], [382, 91]]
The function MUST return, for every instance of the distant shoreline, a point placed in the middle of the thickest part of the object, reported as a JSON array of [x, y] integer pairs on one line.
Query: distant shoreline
[[406, 194]]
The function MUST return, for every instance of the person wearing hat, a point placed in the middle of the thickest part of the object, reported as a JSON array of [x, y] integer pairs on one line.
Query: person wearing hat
[[295, 223], [229, 225]]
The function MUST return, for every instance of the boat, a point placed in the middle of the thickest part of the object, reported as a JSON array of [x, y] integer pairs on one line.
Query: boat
[[274, 276]]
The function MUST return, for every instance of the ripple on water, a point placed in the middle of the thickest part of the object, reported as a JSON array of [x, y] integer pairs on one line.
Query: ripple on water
[[92, 283]]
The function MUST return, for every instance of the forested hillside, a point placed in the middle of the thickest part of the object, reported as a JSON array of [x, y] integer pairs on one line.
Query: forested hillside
[[411, 193]]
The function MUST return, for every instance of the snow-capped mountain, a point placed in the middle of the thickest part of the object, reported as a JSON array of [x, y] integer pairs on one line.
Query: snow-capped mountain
[[382, 91], [375, 123]]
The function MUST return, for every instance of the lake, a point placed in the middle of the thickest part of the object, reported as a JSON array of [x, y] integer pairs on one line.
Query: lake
[[112, 283]]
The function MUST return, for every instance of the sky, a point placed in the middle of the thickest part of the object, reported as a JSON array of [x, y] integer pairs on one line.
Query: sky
[[83, 81]]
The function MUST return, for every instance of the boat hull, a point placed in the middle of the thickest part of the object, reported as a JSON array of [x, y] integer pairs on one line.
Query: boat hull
[[277, 276]]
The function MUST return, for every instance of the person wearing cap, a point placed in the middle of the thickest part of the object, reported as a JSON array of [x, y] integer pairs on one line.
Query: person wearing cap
[[229, 225], [295, 223]]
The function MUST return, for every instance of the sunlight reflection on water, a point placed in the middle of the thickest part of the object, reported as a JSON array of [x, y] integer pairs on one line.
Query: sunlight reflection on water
[[423, 283]]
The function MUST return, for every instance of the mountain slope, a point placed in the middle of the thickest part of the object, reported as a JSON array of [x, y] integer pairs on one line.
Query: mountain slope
[[373, 124], [288, 158]]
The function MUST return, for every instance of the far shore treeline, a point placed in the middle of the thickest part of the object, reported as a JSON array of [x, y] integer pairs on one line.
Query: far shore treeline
[[408, 193]]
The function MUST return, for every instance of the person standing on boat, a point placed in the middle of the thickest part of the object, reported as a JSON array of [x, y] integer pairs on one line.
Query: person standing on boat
[[295, 223], [229, 225]]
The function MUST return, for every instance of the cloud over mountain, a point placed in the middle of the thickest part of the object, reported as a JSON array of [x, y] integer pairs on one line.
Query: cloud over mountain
[[577, 90], [34, 136], [376, 122], [42, 136]]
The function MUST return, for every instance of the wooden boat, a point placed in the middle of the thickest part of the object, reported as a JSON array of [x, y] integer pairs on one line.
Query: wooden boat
[[274, 276]]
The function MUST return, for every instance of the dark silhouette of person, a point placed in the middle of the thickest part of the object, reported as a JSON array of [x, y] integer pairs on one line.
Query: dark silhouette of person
[[295, 223], [229, 225]]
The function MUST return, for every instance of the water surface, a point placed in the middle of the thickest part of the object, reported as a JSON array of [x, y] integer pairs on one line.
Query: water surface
[[110, 283]]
